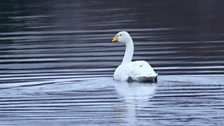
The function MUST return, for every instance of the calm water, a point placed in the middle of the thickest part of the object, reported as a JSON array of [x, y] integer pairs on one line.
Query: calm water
[[57, 62]]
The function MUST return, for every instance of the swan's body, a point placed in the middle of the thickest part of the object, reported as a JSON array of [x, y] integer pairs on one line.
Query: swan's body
[[132, 71]]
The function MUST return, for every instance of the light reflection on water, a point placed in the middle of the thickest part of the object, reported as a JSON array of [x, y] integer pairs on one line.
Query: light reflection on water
[[186, 100], [136, 95]]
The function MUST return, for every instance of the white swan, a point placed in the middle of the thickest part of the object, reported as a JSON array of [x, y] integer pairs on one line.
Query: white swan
[[132, 71]]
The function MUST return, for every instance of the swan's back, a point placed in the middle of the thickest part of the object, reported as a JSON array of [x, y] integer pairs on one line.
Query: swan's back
[[143, 68]]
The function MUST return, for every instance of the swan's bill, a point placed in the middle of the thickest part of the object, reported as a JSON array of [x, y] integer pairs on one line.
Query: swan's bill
[[115, 38]]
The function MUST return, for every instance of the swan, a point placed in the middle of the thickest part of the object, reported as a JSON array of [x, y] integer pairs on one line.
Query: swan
[[129, 70]]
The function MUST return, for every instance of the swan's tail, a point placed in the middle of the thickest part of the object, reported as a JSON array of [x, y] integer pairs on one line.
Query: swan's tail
[[148, 79]]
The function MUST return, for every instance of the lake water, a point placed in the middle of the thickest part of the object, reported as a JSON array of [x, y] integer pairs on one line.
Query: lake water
[[57, 62]]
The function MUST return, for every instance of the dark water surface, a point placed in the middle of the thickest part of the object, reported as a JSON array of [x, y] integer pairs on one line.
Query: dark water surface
[[57, 61]]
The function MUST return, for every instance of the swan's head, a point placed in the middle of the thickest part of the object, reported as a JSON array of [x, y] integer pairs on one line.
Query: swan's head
[[122, 37]]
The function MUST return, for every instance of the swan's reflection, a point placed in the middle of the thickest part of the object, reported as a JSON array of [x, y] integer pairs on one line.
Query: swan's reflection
[[135, 95]]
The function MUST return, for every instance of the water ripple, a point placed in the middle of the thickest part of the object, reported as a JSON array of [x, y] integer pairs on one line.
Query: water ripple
[[57, 62]]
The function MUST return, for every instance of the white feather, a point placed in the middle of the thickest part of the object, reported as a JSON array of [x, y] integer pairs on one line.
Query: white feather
[[136, 70]]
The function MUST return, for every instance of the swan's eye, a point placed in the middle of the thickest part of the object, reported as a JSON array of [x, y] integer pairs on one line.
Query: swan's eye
[[120, 35]]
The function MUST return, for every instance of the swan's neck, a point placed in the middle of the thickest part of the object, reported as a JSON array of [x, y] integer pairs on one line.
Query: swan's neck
[[128, 51]]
